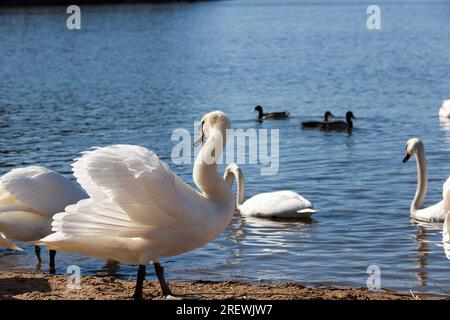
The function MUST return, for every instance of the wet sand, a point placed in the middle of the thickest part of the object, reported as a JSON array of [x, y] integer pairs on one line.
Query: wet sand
[[30, 286]]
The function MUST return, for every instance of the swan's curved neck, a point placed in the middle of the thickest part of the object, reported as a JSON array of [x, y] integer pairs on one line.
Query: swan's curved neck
[[232, 172], [205, 174], [422, 180]]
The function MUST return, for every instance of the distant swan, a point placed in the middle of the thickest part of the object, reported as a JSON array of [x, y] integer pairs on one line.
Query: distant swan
[[444, 111], [341, 125], [434, 213], [318, 124], [278, 204], [29, 197], [270, 115], [140, 211]]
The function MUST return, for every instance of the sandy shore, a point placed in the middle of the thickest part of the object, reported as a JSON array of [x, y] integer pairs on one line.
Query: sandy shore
[[29, 286]]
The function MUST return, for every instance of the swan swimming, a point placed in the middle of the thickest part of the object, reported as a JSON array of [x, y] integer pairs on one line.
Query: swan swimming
[[278, 204], [270, 115], [436, 212], [29, 197], [318, 124], [444, 111], [140, 211]]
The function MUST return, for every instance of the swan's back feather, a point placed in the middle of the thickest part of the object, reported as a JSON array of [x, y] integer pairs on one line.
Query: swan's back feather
[[41, 189], [275, 204]]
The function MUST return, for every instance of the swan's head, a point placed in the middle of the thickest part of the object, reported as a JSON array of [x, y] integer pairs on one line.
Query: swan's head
[[412, 146], [210, 121]]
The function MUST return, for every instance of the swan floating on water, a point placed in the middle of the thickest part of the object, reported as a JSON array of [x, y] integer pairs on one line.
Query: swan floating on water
[[278, 204], [444, 111], [140, 211], [270, 115], [341, 125], [436, 212], [318, 124], [29, 197]]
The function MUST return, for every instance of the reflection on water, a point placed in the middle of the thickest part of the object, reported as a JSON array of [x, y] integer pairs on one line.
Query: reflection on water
[[156, 69], [423, 249]]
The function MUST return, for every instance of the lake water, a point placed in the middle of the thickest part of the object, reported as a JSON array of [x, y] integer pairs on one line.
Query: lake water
[[135, 73]]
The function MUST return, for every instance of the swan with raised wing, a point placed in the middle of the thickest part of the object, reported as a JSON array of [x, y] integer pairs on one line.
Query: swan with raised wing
[[29, 197], [436, 212], [279, 204], [140, 211]]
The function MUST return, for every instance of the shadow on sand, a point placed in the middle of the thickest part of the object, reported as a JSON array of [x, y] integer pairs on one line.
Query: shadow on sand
[[10, 287]]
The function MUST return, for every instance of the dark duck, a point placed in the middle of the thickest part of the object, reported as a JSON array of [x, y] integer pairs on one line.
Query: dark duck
[[341, 125], [275, 115], [318, 124]]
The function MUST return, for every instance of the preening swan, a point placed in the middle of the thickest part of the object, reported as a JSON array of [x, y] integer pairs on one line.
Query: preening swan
[[29, 197], [278, 204], [434, 213], [140, 211], [444, 111], [270, 115], [318, 124]]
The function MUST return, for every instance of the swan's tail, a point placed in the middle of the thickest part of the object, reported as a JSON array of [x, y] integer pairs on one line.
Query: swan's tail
[[95, 229], [87, 218]]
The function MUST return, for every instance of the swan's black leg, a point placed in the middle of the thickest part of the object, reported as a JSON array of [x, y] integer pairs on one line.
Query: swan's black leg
[[162, 282], [37, 250], [139, 283], [52, 261]]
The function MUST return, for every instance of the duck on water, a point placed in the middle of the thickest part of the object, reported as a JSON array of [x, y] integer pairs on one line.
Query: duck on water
[[341, 125], [274, 115], [318, 124]]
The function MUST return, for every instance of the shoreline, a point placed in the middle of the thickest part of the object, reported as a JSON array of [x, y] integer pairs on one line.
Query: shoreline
[[31, 286]]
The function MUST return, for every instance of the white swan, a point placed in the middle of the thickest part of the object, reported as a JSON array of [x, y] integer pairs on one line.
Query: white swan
[[444, 111], [436, 212], [278, 204], [140, 210], [29, 197]]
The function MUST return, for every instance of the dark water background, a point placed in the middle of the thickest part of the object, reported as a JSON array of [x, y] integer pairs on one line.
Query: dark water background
[[133, 74]]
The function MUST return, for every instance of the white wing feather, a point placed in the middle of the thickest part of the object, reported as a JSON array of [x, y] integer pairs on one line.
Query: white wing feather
[[136, 183], [41, 189]]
